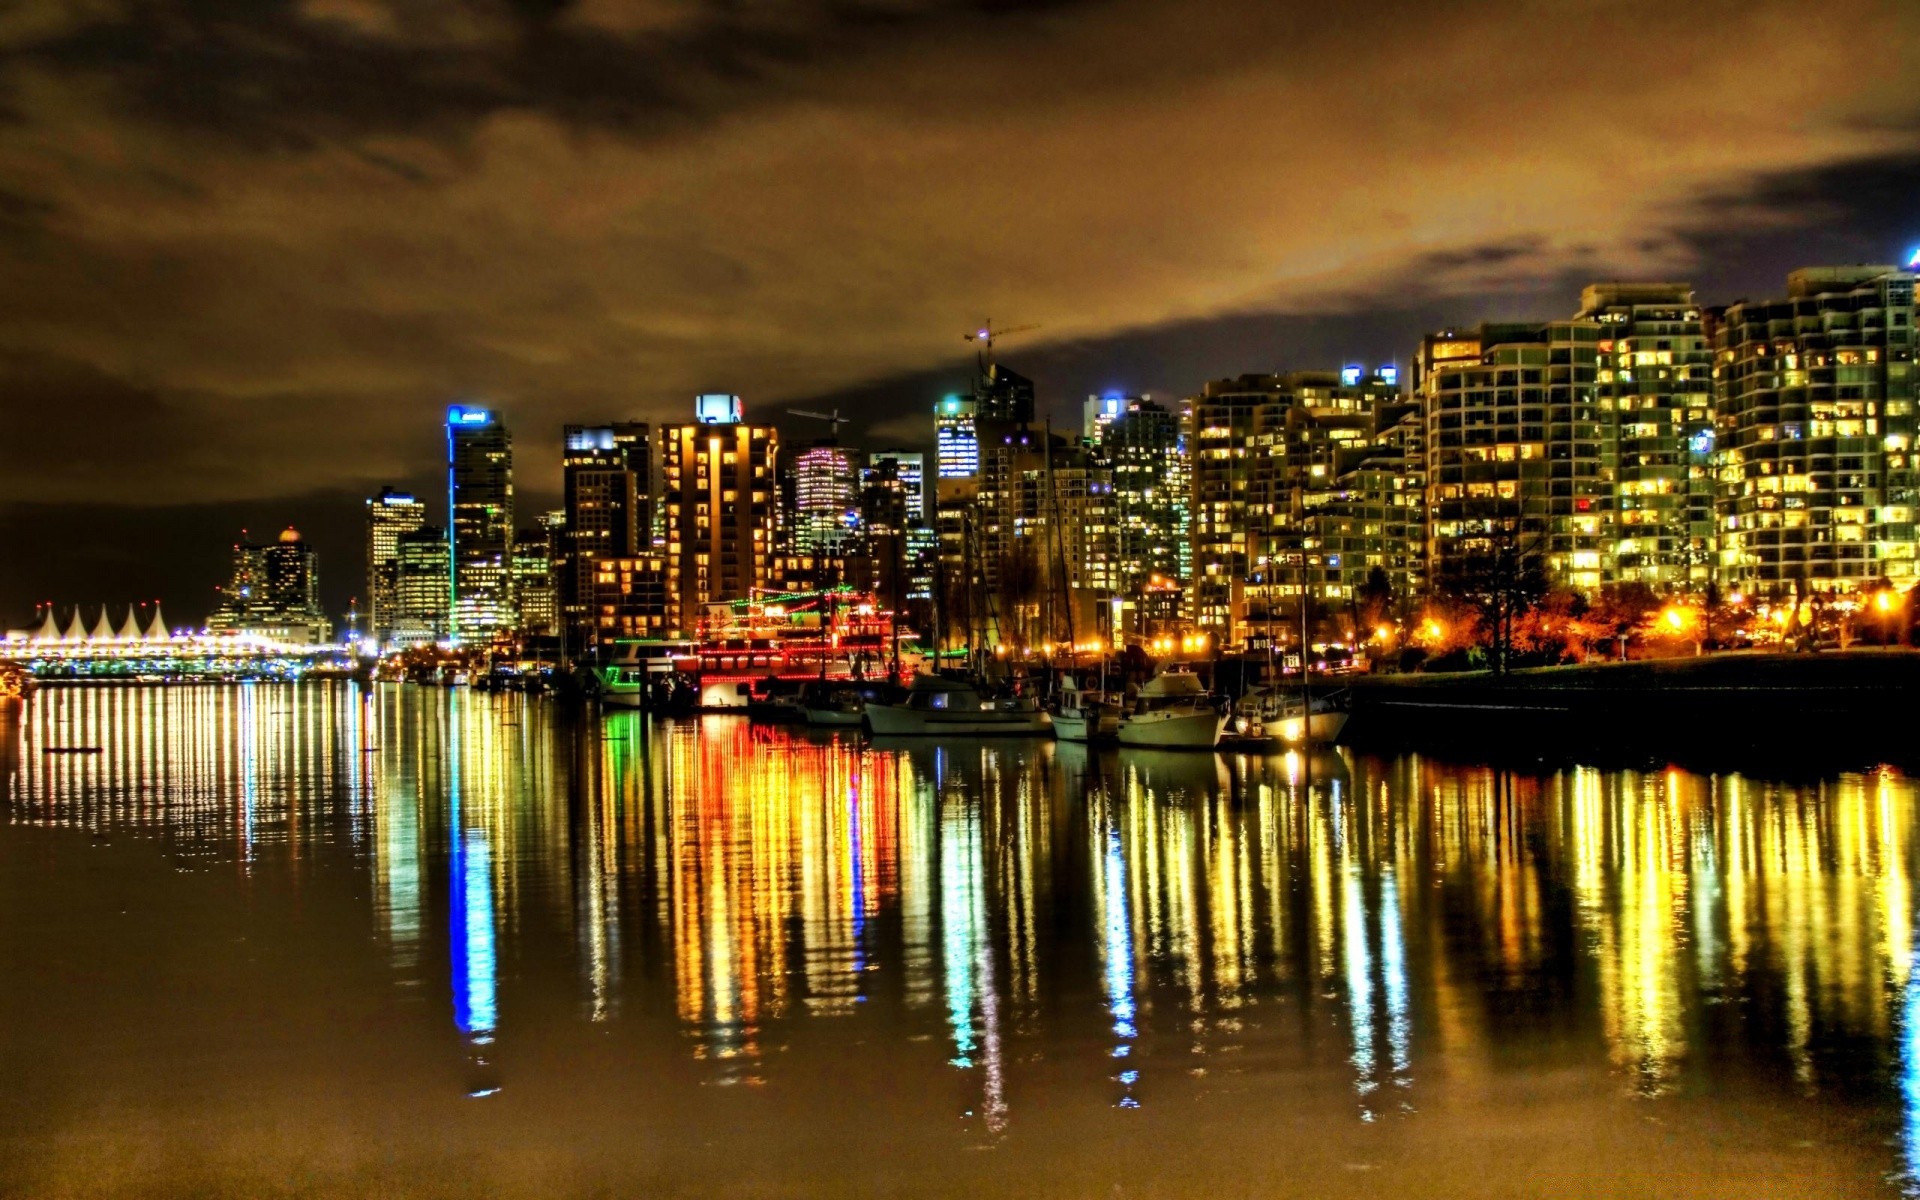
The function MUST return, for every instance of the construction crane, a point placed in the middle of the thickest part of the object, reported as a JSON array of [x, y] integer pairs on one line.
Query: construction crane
[[986, 335], [833, 419]]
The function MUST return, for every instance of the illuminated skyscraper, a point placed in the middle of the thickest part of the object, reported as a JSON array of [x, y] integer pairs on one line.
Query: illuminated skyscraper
[[824, 500], [1816, 424], [718, 477], [480, 536], [607, 479], [910, 468], [389, 515], [956, 441], [1141, 443]]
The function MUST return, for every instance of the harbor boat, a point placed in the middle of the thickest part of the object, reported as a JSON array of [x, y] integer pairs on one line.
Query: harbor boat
[[1275, 715], [936, 706], [1084, 714], [1173, 712]]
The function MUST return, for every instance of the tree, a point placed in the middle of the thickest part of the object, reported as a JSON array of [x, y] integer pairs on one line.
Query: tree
[[1502, 576]]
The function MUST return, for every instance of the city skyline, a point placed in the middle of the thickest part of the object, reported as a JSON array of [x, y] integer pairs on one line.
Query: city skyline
[[1641, 307]]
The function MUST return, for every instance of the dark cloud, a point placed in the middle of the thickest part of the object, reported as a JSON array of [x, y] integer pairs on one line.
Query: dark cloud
[[252, 247]]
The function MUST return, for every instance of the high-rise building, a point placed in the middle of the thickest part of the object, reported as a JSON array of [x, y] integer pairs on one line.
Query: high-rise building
[[1270, 453], [480, 534], [1814, 398], [825, 512], [1519, 452], [607, 486], [1654, 382], [907, 470], [910, 469], [422, 562], [956, 440], [1141, 443], [719, 479], [274, 593], [535, 590], [389, 515]]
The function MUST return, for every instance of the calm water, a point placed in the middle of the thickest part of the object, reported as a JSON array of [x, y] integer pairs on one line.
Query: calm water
[[280, 940]]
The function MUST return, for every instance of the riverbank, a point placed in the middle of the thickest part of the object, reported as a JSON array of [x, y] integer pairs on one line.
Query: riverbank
[[1861, 705]]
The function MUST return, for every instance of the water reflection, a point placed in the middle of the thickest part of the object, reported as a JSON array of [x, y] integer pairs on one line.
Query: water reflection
[[1394, 932]]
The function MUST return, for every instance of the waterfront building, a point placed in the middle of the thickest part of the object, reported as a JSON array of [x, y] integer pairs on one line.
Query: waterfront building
[[631, 598], [718, 477], [607, 493], [956, 440], [1518, 451], [480, 533], [824, 513], [422, 562], [1654, 384], [274, 593], [1270, 462], [389, 515], [1815, 424]]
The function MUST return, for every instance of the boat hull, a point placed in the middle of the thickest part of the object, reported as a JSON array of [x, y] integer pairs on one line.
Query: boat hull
[[899, 720], [622, 697], [835, 718], [1167, 730], [1322, 729]]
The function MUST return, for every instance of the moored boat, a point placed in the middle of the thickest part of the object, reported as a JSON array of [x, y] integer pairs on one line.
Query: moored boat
[[936, 706], [1084, 714], [1173, 712]]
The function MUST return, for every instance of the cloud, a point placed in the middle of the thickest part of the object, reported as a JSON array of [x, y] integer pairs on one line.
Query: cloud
[[297, 230]]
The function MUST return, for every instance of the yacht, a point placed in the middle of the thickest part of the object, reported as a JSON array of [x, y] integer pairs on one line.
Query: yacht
[[936, 706], [1173, 712], [1084, 714]]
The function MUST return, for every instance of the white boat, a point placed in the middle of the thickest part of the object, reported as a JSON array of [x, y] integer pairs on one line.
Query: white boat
[[1173, 713], [1279, 715], [940, 707], [1084, 715]]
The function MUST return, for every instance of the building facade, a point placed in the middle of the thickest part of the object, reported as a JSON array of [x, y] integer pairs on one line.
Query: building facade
[[423, 560], [607, 494]]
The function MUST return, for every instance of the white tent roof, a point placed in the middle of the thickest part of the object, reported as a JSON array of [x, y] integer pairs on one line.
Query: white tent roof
[[130, 628], [157, 628], [76, 632], [102, 629], [49, 630]]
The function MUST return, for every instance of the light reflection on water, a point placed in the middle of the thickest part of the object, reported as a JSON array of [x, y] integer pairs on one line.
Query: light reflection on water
[[1416, 931]]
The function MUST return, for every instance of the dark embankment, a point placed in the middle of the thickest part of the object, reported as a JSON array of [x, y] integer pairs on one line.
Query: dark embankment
[[1731, 711]]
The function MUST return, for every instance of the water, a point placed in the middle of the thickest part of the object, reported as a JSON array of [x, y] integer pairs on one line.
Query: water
[[314, 940]]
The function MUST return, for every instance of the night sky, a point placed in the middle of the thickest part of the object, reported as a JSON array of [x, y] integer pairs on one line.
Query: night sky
[[252, 248]]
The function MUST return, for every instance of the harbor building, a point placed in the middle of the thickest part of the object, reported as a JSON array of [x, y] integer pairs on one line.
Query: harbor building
[[422, 612], [274, 593]]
